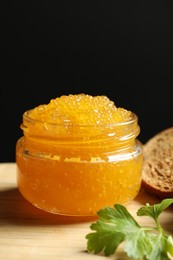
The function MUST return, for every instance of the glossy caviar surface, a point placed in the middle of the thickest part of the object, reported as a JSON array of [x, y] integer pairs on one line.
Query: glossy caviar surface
[[81, 109], [78, 154]]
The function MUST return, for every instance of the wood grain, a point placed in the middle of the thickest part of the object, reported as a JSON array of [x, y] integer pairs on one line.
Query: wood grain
[[29, 233]]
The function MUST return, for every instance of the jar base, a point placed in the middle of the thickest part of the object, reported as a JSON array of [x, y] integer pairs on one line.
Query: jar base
[[67, 217], [80, 216], [64, 213]]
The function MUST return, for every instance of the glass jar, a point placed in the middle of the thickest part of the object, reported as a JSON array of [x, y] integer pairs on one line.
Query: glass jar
[[78, 169]]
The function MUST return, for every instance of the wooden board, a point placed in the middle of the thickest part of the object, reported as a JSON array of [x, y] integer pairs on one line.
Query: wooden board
[[29, 233]]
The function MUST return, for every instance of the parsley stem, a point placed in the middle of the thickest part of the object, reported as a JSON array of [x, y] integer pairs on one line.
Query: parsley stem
[[159, 227]]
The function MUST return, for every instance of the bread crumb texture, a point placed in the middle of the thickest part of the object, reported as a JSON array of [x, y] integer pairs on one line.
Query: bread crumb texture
[[157, 175]]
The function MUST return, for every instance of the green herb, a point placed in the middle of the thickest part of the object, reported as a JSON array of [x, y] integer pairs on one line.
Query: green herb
[[116, 225]]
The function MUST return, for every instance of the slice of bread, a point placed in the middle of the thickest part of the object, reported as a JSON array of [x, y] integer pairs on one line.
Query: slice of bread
[[157, 175]]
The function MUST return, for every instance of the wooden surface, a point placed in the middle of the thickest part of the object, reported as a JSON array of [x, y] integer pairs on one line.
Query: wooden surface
[[29, 233]]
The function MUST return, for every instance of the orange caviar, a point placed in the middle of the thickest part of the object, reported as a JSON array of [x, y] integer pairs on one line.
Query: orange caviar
[[79, 153]]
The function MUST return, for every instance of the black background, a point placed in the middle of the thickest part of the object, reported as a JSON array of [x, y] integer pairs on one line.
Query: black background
[[122, 49]]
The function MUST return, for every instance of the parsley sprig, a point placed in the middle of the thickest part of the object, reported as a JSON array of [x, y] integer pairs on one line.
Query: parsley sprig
[[117, 225]]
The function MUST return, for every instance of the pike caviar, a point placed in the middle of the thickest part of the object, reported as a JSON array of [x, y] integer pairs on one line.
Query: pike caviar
[[79, 153]]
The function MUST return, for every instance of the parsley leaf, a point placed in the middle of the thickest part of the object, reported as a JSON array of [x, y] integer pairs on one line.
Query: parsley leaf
[[116, 225]]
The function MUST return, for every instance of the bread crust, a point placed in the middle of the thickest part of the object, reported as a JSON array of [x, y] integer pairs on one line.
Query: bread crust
[[157, 173]]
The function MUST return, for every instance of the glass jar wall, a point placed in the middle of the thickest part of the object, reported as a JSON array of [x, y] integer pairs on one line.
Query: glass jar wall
[[78, 169]]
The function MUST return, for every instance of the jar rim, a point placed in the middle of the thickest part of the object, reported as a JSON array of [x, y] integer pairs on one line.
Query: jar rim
[[134, 118]]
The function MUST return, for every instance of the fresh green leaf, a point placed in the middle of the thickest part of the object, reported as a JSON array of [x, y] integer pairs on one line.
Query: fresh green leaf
[[158, 251], [119, 217], [116, 225], [155, 210], [105, 239], [169, 245], [138, 245]]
